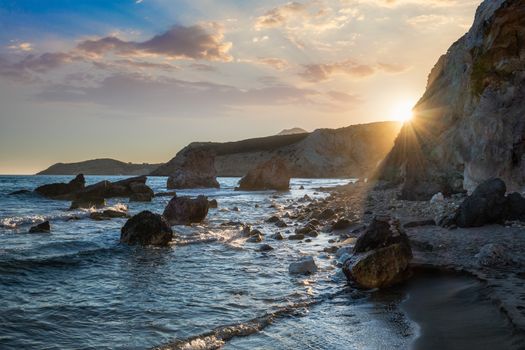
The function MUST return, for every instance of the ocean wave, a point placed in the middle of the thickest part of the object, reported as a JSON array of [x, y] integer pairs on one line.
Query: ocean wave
[[216, 338], [57, 261], [14, 222]]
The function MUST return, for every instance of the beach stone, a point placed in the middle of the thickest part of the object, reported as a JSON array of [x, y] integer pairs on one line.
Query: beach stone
[[379, 268], [486, 205], [383, 231], [326, 214], [44, 227], [494, 255], [166, 194], [186, 210], [296, 237], [270, 175], [62, 190], [88, 203], [305, 265], [256, 238], [341, 224], [108, 215], [277, 236], [265, 248], [515, 207], [312, 233], [140, 192], [272, 219], [280, 223], [212, 203], [146, 228]]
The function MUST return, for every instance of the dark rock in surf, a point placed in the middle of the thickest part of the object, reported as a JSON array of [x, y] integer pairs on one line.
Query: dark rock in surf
[[62, 190], [146, 228], [213, 203], [19, 192], [88, 203], [186, 210], [44, 227]]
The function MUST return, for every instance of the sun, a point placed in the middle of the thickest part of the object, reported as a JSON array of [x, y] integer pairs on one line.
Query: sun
[[403, 111]]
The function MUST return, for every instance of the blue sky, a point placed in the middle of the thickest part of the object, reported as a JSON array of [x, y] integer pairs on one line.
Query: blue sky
[[138, 80]]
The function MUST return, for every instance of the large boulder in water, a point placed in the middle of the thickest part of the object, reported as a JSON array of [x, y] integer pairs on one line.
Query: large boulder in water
[[44, 227], [486, 205], [270, 175], [381, 255], [191, 168], [186, 210], [135, 186], [146, 228], [62, 190]]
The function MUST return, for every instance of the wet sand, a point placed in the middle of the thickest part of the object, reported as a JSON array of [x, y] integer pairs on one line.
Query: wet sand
[[453, 311]]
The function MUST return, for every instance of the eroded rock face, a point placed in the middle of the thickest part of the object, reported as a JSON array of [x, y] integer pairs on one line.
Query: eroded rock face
[[62, 190], [269, 175], [381, 255], [191, 168], [146, 228], [486, 205], [186, 210], [468, 126]]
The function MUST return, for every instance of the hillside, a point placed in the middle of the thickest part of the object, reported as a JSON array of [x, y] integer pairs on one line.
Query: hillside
[[469, 125], [352, 151], [103, 166]]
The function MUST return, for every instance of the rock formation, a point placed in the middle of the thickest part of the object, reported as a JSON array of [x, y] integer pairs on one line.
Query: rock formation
[[63, 190], [469, 125], [270, 175], [135, 186], [146, 228], [44, 227], [186, 210], [191, 168], [381, 255], [353, 151]]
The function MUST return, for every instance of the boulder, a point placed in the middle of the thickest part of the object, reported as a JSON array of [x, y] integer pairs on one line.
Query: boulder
[[192, 168], [379, 268], [515, 207], [44, 227], [186, 210], [255, 238], [486, 205], [277, 236], [341, 224], [87, 203], [135, 186], [108, 214], [383, 231], [213, 203], [494, 255], [265, 248], [270, 175], [305, 265], [146, 228], [381, 255], [62, 190]]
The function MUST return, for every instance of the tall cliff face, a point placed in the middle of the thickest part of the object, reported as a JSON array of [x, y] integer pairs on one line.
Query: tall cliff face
[[354, 151], [470, 123]]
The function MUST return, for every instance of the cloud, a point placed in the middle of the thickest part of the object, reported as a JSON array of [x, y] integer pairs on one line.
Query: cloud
[[195, 42], [25, 47], [278, 16], [136, 93], [324, 71]]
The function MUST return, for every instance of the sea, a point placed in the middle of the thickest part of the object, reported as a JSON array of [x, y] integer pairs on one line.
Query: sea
[[79, 288]]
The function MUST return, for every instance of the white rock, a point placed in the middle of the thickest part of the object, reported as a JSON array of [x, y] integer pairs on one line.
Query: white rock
[[303, 266]]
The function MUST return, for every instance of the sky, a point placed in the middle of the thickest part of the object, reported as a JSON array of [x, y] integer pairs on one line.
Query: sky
[[137, 80]]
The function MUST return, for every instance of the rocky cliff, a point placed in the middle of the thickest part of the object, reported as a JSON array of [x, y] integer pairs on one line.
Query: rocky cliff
[[354, 151], [470, 123], [99, 167]]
